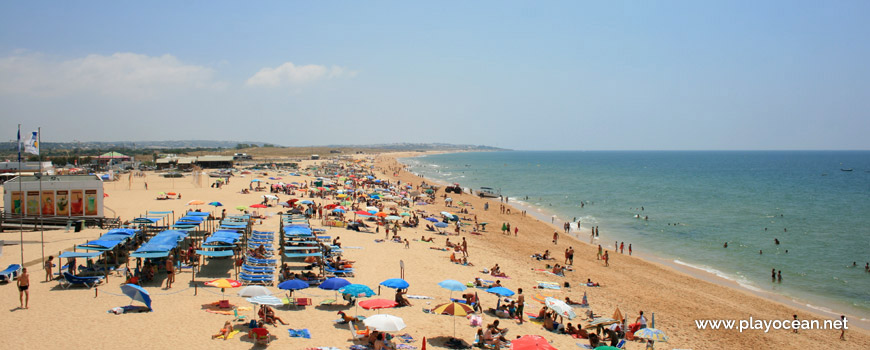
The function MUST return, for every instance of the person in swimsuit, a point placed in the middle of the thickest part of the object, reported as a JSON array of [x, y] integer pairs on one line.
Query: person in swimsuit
[[23, 286]]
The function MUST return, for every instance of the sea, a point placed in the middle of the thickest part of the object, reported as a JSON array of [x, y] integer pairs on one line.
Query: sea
[[683, 206]]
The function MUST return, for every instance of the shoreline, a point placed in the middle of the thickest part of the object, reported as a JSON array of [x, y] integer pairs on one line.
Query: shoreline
[[818, 307]]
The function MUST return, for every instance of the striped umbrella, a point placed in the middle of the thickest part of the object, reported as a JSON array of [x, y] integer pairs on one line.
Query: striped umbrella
[[453, 309], [266, 300]]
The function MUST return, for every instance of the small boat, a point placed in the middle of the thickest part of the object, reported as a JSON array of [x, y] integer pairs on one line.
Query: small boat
[[487, 192], [850, 169]]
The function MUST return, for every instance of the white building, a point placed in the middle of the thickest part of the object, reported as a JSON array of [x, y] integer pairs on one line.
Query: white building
[[61, 195]]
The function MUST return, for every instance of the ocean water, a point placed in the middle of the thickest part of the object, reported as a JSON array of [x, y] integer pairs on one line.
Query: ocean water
[[697, 201]]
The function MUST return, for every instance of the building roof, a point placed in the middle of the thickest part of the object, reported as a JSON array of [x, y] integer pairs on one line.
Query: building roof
[[214, 158], [112, 155], [55, 178]]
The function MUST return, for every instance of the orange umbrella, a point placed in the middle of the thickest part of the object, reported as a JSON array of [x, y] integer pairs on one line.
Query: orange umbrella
[[257, 206], [381, 215], [195, 202]]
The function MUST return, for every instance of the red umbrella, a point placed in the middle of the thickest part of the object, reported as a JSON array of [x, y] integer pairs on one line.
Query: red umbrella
[[330, 206], [294, 200], [372, 304], [257, 206], [362, 213], [531, 342]]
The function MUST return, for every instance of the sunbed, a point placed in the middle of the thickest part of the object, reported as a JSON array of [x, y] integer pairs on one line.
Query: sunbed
[[344, 272], [10, 273], [69, 280]]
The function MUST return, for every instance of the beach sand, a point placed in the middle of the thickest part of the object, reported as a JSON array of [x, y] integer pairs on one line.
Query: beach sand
[[77, 317]]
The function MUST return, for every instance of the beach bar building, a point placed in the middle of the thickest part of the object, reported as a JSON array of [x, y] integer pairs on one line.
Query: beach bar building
[[60, 196]]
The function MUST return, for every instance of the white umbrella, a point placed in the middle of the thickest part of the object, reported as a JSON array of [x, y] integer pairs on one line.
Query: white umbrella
[[560, 307], [254, 291], [385, 323], [269, 196], [266, 300]]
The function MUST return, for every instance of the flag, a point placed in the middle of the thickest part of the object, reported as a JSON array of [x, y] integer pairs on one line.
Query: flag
[[19, 143], [32, 144]]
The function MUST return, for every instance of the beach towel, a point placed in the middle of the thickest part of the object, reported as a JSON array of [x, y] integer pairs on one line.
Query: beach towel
[[300, 333], [407, 338], [418, 297], [360, 347], [379, 241], [323, 348], [548, 285], [352, 247], [405, 347]]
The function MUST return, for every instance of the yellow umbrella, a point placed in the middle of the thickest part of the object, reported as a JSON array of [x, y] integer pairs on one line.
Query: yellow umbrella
[[454, 309], [223, 283]]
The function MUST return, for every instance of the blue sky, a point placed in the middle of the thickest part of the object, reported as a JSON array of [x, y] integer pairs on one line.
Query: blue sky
[[523, 75]]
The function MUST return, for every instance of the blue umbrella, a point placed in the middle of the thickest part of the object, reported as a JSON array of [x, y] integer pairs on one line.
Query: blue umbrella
[[339, 210], [452, 285], [333, 283], [255, 180], [306, 202], [216, 204], [502, 291], [294, 284], [137, 293], [395, 283], [374, 196], [357, 290], [440, 224], [432, 219]]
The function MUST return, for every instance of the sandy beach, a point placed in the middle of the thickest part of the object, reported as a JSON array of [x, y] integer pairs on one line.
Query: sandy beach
[[77, 317]]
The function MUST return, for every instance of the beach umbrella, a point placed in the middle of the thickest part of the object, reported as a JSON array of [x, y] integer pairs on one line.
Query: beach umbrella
[[452, 285], [501, 291], [333, 283], [362, 213], [393, 218], [405, 214], [255, 180], [375, 304], [441, 225], [270, 197], [254, 291], [453, 309], [171, 193], [385, 323], [306, 202], [195, 202], [294, 284], [395, 283], [338, 210], [381, 215], [432, 219], [560, 307], [258, 205], [223, 283], [601, 321], [531, 342], [216, 204], [651, 334], [136, 293], [241, 208], [357, 290], [284, 204], [266, 300]]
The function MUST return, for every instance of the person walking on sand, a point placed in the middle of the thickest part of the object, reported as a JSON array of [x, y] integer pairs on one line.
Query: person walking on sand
[[521, 304], [516, 231], [843, 328], [629, 249], [600, 251], [23, 286], [606, 260], [464, 247], [570, 255], [622, 248], [555, 237]]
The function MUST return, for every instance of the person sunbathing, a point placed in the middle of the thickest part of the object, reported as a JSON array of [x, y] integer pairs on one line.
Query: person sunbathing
[[558, 270], [346, 319], [580, 332], [466, 263], [590, 284], [268, 315], [225, 331], [453, 258], [571, 302], [430, 239]]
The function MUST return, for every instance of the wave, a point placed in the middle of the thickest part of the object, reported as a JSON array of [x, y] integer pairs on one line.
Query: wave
[[743, 282]]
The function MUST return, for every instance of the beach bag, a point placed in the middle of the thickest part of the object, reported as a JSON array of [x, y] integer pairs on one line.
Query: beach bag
[[567, 285], [475, 320]]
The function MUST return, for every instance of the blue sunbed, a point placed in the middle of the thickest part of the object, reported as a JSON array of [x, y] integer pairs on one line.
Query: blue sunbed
[[10, 273], [69, 280]]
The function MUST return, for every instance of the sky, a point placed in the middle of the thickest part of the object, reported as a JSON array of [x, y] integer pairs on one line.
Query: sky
[[551, 75]]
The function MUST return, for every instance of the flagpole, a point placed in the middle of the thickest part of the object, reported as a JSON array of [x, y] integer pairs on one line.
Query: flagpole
[[41, 222], [21, 200]]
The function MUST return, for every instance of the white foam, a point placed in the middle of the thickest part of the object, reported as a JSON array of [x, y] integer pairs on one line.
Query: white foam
[[739, 280]]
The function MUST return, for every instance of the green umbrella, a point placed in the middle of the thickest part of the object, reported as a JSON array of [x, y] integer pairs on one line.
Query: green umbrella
[[241, 208]]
